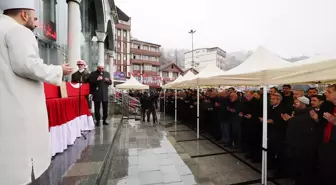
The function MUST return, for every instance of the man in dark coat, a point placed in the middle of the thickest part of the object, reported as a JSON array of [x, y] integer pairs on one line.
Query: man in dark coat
[[100, 80], [82, 75], [252, 127], [301, 141]]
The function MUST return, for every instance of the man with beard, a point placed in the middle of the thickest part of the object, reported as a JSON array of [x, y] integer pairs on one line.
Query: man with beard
[[252, 127], [100, 80], [301, 142], [24, 136]]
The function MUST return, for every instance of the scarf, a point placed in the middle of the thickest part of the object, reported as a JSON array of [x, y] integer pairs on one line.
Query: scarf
[[328, 131]]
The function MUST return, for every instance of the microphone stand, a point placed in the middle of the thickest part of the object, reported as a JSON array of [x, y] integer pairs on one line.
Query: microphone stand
[[79, 104]]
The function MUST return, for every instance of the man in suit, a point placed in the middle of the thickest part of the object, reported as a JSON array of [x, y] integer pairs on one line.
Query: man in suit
[[100, 80]]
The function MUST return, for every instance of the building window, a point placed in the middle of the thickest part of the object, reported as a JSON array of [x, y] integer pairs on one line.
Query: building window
[[154, 49], [119, 44], [136, 67], [144, 47], [154, 68], [118, 57], [125, 57], [119, 68], [138, 57], [153, 59], [125, 69], [147, 68], [125, 33], [144, 57], [136, 46], [119, 32], [164, 74], [175, 75]]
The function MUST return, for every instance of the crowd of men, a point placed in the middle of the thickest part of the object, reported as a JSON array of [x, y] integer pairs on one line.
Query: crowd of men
[[301, 128]]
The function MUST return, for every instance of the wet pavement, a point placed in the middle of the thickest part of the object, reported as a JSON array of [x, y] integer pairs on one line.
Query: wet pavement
[[135, 153], [144, 155], [82, 162]]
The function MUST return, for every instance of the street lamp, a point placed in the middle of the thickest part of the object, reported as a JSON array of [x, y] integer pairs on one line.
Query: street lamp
[[192, 47]]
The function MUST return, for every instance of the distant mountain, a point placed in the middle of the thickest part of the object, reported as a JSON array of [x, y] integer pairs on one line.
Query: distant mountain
[[234, 59], [295, 59]]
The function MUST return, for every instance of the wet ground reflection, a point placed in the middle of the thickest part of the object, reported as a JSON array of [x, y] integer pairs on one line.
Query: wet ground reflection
[[143, 155]]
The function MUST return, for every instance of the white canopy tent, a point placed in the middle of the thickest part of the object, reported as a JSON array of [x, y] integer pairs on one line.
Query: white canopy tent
[[201, 79], [178, 79], [317, 69], [132, 83], [251, 71], [175, 85], [181, 84]]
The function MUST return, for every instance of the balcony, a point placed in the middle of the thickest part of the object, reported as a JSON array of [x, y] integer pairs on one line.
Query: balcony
[[145, 52], [150, 73], [123, 26], [138, 61]]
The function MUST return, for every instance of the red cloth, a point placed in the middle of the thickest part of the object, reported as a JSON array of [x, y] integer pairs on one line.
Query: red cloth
[[83, 90], [51, 91], [63, 110], [328, 130]]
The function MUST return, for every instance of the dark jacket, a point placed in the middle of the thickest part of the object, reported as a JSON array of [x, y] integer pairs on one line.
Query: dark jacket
[[223, 114], [253, 108], [79, 77], [301, 130], [99, 89]]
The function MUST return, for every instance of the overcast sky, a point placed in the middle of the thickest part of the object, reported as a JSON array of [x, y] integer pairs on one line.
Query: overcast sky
[[286, 27]]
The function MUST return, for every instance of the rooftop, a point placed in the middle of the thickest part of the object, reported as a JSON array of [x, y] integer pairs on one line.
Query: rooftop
[[144, 42], [217, 48], [122, 15]]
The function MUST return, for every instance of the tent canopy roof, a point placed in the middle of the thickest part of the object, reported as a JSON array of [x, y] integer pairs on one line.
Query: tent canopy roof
[[132, 83]]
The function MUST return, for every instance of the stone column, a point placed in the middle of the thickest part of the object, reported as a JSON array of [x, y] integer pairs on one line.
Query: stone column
[[101, 47], [74, 31], [111, 66]]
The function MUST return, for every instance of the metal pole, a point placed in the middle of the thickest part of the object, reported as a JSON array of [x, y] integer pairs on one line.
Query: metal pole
[[192, 50], [192, 47], [264, 139], [175, 106], [198, 112]]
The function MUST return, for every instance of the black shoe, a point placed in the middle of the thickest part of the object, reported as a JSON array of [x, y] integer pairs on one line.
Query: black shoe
[[97, 124], [105, 123]]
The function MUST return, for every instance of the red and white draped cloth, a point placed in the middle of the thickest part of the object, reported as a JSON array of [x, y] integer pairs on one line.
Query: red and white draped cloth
[[67, 118]]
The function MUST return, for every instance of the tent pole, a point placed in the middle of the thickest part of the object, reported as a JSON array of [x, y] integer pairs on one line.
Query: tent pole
[[164, 104], [198, 132], [264, 138], [175, 106]]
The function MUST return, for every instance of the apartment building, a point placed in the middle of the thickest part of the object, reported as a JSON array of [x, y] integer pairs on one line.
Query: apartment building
[[169, 72], [205, 56], [145, 62], [122, 62]]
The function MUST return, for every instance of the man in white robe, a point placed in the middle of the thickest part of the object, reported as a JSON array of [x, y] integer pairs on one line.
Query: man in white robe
[[25, 149]]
